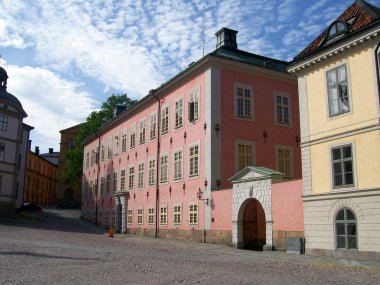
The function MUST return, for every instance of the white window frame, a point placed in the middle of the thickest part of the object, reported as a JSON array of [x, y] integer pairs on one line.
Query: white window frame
[[177, 165], [108, 183], [141, 175], [109, 148], [3, 123], [129, 217], [190, 158], [339, 90], [165, 119], [153, 126], [164, 168], [152, 172], [279, 167], [102, 185], [178, 113], [194, 105], [163, 215], [124, 140], [177, 214], [237, 161], [132, 136], [114, 181], [102, 150], [142, 134], [353, 162], [131, 177], [140, 216], [193, 213], [123, 177], [281, 121], [116, 144], [244, 116], [151, 216]]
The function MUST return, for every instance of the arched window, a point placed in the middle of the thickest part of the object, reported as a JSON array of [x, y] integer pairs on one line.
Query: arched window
[[336, 29], [346, 230]]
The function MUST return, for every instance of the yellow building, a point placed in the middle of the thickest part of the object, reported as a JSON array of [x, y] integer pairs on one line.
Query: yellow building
[[41, 180], [338, 77]]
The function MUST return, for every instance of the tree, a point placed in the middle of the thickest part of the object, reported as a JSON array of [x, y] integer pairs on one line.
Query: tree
[[95, 120]]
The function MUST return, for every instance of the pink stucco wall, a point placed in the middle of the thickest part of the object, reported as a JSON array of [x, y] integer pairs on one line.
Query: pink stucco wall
[[221, 210], [233, 129], [287, 209]]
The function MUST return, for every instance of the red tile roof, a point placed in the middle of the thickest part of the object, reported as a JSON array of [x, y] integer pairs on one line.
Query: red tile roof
[[364, 13]]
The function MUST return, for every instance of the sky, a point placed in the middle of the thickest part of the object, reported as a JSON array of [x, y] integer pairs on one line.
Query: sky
[[64, 58]]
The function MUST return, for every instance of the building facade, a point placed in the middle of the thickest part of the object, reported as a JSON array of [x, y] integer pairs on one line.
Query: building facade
[[338, 79], [162, 167], [41, 180], [14, 139], [68, 194]]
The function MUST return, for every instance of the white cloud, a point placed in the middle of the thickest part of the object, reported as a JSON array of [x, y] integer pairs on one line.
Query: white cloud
[[52, 103]]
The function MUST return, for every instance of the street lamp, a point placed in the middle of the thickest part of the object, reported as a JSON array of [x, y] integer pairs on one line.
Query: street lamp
[[200, 196]]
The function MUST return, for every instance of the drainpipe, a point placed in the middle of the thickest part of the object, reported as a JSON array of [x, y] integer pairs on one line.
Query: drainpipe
[[97, 179], [377, 72], [157, 160]]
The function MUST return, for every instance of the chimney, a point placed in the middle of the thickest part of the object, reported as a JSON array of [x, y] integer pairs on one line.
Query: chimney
[[118, 110], [51, 150], [37, 150], [226, 38]]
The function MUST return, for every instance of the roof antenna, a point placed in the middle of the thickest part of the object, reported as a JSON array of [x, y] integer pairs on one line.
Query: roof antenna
[[203, 30]]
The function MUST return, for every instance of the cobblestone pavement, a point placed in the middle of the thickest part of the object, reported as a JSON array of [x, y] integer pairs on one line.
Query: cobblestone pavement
[[65, 250]]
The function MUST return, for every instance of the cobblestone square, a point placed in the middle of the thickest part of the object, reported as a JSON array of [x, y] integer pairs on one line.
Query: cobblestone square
[[63, 249]]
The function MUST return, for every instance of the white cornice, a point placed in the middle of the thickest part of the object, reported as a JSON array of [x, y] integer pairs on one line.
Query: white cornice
[[334, 51]]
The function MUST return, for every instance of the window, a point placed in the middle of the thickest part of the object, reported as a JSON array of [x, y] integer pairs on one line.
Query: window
[[163, 215], [193, 112], [95, 188], [132, 139], [124, 141], [193, 214], [345, 230], [337, 86], [122, 180], [109, 147], [91, 194], [193, 160], [108, 183], [142, 131], [153, 124], [244, 102], [114, 185], [164, 168], [140, 178], [3, 123], [178, 113], [178, 155], [97, 155], [106, 218], [342, 166], [131, 184], [284, 157], [116, 145], [245, 155], [102, 151], [152, 172], [150, 216], [337, 29], [165, 120], [282, 109], [130, 217], [93, 157], [102, 181], [140, 216], [177, 212]]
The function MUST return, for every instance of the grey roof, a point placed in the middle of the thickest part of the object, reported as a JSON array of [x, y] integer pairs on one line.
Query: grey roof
[[9, 98]]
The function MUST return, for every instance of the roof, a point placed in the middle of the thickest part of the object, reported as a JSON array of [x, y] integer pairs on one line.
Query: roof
[[223, 53], [11, 99], [360, 16]]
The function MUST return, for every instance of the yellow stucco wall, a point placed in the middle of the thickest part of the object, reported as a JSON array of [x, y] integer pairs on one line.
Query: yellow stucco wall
[[362, 88], [366, 151]]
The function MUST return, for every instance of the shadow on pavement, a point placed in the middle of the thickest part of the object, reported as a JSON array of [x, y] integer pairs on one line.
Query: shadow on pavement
[[20, 253]]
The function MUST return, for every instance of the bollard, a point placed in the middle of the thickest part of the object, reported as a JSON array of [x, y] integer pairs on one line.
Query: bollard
[[111, 231]]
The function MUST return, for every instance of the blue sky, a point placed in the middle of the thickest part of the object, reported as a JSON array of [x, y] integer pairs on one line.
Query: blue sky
[[64, 58]]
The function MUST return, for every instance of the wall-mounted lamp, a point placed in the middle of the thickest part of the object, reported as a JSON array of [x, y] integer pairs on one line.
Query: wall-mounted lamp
[[171, 140], [217, 129], [136, 154], [147, 150], [200, 196], [134, 195], [184, 135], [128, 157], [147, 194], [206, 183], [119, 160], [205, 126], [265, 135], [183, 186]]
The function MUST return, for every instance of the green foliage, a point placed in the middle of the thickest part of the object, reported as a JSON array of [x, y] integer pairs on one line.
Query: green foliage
[[94, 121]]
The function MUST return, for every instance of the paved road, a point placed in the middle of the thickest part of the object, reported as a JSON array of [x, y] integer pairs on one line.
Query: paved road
[[65, 250]]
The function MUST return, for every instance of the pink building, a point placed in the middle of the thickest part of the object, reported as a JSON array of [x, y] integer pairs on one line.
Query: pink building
[[162, 167]]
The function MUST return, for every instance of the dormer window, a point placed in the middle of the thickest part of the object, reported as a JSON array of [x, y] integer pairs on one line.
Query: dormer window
[[336, 29]]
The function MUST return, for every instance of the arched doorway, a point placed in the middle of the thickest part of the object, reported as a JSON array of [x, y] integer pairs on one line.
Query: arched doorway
[[254, 227]]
